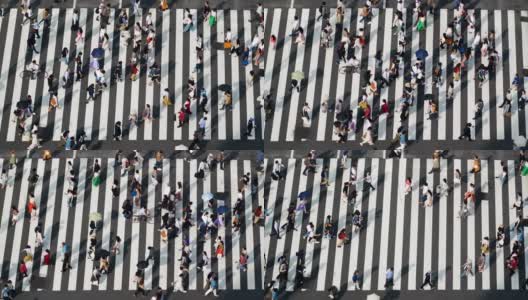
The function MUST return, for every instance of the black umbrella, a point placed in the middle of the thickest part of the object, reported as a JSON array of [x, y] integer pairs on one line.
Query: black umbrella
[[142, 265], [224, 87], [101, 253], [23, 104]]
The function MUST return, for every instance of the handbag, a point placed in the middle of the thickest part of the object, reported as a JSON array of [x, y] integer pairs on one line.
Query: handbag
[[199, 174], [227, 45]]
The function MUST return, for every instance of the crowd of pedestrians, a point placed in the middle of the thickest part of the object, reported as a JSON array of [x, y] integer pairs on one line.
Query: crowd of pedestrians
[[428, 196], [140, 36], [174, 211]]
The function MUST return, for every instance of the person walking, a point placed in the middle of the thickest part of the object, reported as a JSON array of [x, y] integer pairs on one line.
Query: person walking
[[213, 285], [178, 284], [436, 161], [22, 269], [503, 177], [467, 268], [150, 254], [202, 125], [6, 293], [309, 163], [356, 280], [408, 185], [66, 256], [476, 165], [250, 126], [324, 177], [334, 291], [367, 137], [368, 181], [466, 132], [276, 173], [117, 131], [389, 278], [140, 284], [479, 105], [427, 281]]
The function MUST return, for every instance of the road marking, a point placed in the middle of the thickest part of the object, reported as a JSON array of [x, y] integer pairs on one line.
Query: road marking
[[75, 3], [292, 1]]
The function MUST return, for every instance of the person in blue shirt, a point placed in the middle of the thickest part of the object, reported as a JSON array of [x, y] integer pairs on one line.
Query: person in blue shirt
[[66, 253], [7, 293], [356, 280]]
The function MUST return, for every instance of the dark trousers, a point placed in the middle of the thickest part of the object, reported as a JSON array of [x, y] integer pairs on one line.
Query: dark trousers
[[389, 283], [66, 262], [427, 281]]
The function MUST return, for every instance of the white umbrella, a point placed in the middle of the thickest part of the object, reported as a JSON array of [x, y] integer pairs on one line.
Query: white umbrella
[[520, 141], [373, 297]]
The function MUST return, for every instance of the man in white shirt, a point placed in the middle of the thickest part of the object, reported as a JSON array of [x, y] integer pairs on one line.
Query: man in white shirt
[[33, 67], [277, 169]]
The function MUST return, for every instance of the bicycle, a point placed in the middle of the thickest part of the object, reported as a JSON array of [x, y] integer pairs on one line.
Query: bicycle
[[40, 74]]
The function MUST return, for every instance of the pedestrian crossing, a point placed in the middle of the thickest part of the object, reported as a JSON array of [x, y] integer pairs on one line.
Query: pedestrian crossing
[[396, 231], [325, 84], [61, 223], [174, 52]]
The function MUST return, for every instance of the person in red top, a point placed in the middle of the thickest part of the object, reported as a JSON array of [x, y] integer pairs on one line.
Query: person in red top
[[23, 269], [384, 107], [181, 117], [341, 238], [133, 72], [243, 262], [257, 215], [273, 41], [47, 258], [512, 263], [187, 106]]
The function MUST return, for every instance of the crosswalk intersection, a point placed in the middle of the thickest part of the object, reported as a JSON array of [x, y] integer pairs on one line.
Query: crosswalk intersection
[[61, 223], [396, 231], [325, 84], [174, 53]]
